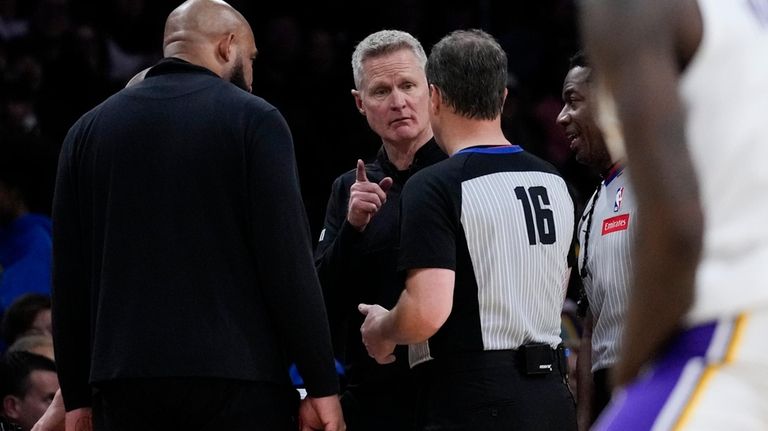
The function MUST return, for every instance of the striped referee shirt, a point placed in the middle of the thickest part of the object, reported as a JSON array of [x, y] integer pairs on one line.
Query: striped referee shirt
[[608, 263], [503, 220]]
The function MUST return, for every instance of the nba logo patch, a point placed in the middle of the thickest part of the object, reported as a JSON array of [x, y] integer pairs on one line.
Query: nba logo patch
[[619, 198]]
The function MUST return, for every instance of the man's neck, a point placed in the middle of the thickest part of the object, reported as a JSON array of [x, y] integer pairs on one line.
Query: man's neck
[[610, 169], [401, 154], [459, 133]]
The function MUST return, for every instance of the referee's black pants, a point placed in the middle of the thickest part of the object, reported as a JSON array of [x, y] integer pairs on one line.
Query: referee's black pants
[[602, 390], [490, 391], [190, 404]]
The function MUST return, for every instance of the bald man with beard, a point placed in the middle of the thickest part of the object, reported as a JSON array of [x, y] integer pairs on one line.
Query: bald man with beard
[[184, 284]]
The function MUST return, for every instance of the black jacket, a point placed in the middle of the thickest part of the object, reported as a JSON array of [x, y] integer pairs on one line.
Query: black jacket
[[181, 245], [357, 267]]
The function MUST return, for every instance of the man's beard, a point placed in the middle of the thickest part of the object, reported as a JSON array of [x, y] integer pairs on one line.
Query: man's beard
[[238, 76]]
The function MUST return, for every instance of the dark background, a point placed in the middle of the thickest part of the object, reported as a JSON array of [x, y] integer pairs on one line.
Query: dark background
[[60, 58]]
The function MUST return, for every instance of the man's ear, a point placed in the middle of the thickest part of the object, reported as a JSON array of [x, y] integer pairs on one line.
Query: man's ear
[[11, 406], [226, 48], [435, 98], [358, 101]]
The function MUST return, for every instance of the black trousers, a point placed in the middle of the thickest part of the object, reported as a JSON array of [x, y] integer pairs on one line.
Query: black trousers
[[379, 405], [602, 392], [194, 404], [490, 391]]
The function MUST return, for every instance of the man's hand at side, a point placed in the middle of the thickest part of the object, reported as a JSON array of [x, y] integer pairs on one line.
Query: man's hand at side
[[323, 413]]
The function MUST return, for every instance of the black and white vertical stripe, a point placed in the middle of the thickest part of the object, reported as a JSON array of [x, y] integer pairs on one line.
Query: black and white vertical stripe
[[520, 286], [504, 221], [610, 270]]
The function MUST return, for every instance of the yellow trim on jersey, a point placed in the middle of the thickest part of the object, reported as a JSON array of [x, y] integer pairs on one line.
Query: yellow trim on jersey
[[733, 346], [738, 335]]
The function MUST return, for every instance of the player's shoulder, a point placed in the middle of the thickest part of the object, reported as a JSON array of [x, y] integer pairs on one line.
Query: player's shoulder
[[638, 19]]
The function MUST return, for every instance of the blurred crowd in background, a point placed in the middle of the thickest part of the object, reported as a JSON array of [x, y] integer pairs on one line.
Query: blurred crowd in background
[[60, 58]]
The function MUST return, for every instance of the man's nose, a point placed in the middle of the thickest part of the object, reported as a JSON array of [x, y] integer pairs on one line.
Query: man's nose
[[398, 99]]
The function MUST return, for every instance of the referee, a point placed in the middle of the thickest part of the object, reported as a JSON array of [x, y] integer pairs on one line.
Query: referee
[[606, 232], [485, 237]]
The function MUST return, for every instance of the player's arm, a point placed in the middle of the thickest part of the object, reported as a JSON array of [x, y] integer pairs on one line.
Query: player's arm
[[634, 47]]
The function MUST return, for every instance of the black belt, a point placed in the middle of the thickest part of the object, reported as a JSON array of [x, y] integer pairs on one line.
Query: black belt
[[530, 359]]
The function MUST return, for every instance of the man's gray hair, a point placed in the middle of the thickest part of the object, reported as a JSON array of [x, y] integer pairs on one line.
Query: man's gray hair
[[384, 42]]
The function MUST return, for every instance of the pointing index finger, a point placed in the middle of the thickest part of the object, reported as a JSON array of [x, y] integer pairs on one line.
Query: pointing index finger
[[361, 177], [363, 308]]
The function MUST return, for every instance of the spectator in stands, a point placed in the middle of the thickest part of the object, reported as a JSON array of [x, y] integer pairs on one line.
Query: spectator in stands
[[25, 237], [29, 314], [35, 343], [28, 383]]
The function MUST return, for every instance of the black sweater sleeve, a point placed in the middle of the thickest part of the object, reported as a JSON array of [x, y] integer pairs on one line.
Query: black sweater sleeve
[[71, 284], [282, 246], [338, 248]]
